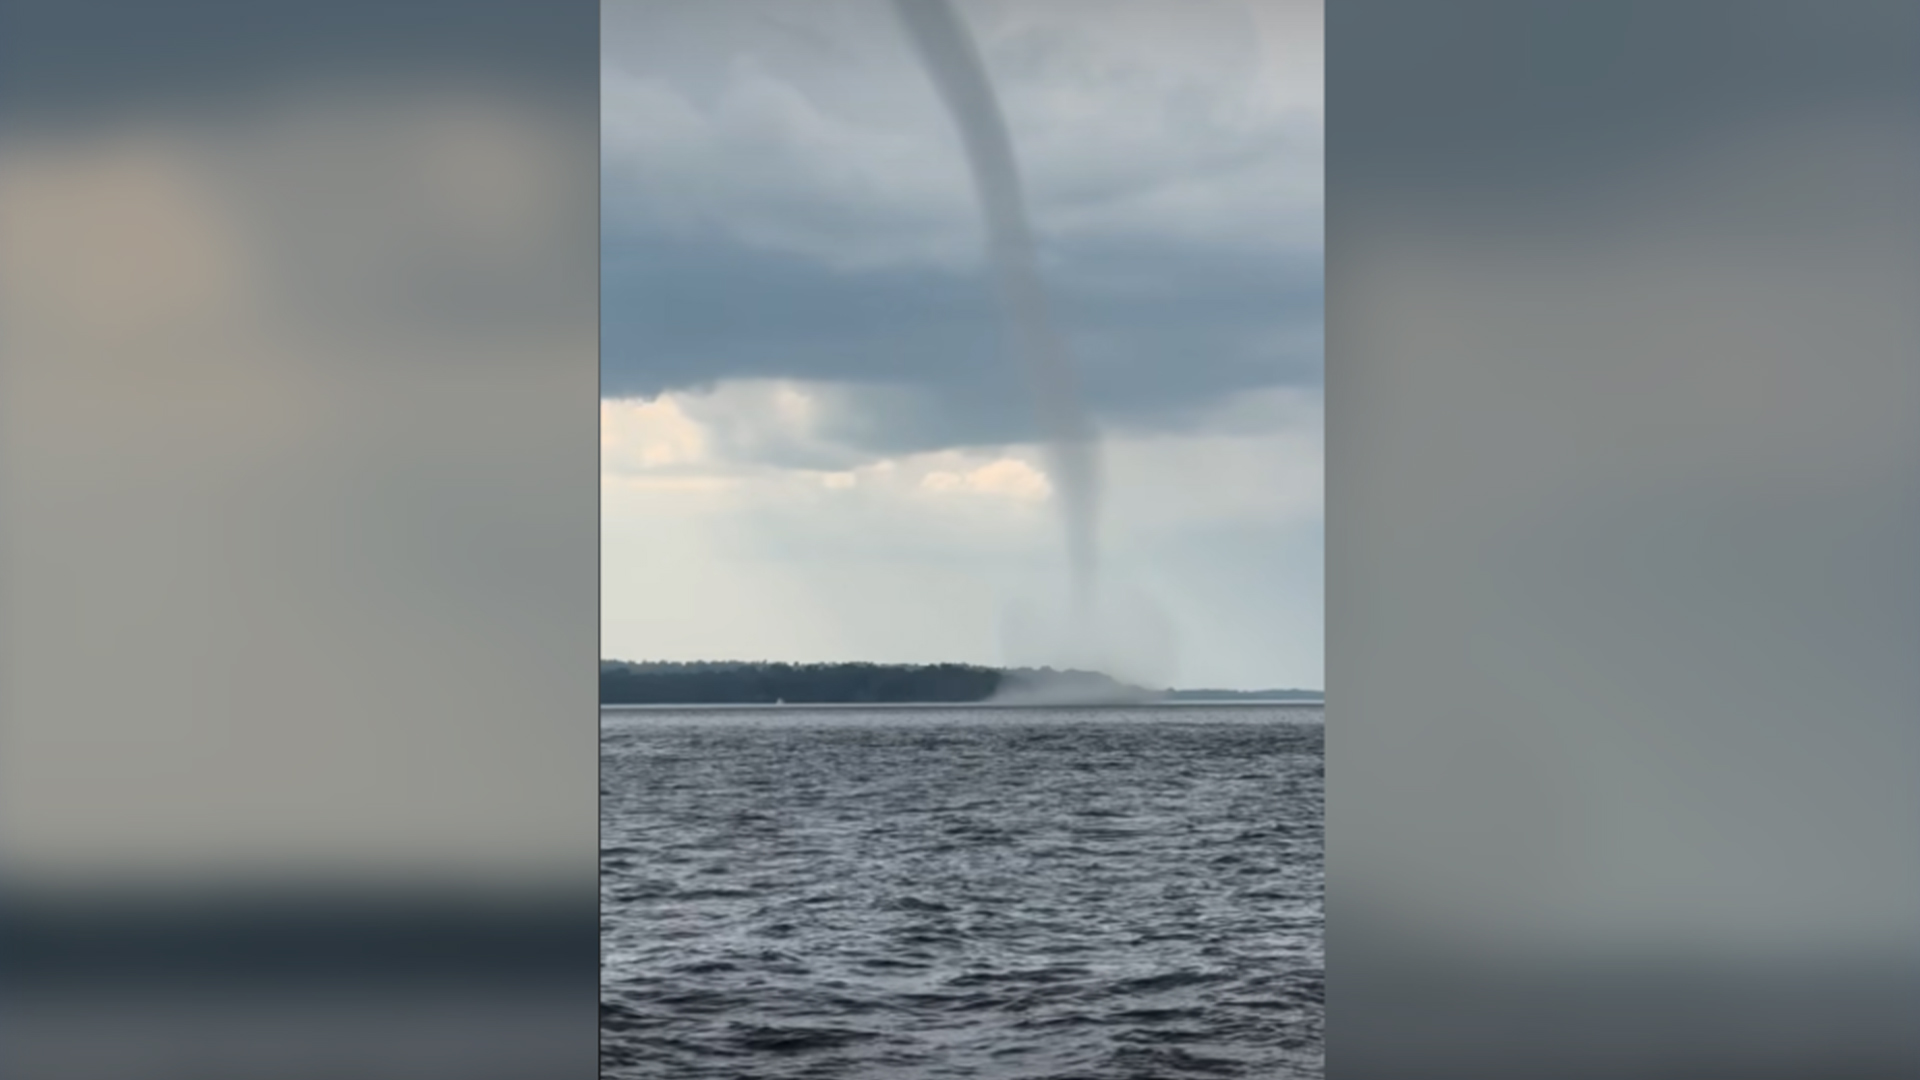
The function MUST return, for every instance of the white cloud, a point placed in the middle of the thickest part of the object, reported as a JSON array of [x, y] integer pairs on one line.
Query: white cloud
[[917, 556], [1009, 478], [1258, 457], [640, 435]]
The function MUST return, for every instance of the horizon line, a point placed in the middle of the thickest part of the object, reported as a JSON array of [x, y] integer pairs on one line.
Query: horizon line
[[983, 667]]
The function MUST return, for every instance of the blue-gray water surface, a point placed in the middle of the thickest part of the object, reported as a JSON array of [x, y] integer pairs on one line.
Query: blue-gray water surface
[[953, 892]]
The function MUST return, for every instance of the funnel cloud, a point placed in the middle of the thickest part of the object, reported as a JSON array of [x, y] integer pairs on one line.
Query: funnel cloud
[[953, 64], [810, 352]]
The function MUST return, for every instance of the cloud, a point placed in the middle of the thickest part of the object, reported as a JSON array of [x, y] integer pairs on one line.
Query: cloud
[[712, 551], [1159, 125], [763, 166], [1158, 333], [773, 445], [639, 435], [792, 204], [1006, 478]]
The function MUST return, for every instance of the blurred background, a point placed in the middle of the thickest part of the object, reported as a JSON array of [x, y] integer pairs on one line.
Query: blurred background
[[298, 574], [1623, 608]]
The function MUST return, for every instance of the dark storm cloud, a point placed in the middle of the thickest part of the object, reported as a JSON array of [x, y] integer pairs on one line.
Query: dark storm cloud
[[1161, 332]]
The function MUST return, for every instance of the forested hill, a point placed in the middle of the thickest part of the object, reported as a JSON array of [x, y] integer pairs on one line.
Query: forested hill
[[759, 683]]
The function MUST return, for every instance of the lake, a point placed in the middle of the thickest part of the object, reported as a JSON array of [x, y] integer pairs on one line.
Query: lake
[[907, 893]]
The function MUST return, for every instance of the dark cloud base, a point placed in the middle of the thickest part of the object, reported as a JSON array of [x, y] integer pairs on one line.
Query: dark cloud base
[[1160, 332]]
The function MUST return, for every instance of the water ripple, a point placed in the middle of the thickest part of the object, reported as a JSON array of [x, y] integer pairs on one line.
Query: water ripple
[[962, 893]]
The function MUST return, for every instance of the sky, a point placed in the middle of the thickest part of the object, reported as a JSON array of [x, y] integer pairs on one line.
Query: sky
[[817, 441]]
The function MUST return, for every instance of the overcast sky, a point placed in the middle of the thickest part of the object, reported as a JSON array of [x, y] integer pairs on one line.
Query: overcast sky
[[816, 441]]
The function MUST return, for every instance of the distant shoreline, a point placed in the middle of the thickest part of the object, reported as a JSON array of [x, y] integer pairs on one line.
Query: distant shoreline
[[817, 706], [679, 684]]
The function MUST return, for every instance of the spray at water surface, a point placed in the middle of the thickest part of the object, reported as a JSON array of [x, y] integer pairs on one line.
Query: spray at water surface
[[953, 63]]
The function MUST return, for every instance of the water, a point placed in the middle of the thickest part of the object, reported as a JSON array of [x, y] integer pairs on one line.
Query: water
[[993, 893]]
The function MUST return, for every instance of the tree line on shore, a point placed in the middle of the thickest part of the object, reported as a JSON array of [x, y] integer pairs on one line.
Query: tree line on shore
[[767, 683]]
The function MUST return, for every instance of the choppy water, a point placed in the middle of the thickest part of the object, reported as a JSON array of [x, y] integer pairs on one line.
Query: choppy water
[[923, 893]]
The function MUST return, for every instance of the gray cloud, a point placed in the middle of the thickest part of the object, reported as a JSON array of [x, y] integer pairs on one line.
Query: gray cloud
[[793, 204], [1161, 332], [1192, 138]]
